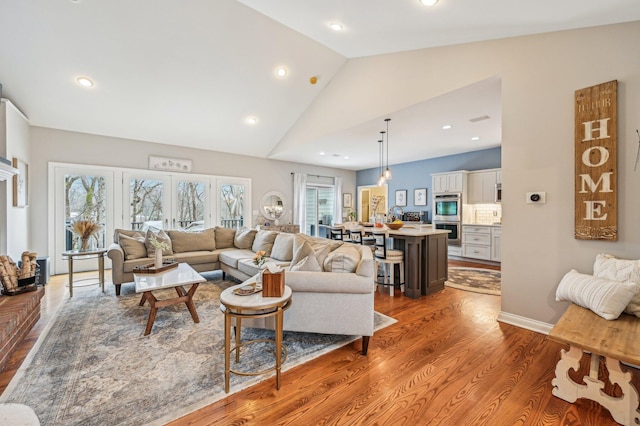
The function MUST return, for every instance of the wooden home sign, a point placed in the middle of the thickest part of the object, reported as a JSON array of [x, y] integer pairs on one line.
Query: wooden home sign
[[596, 140]]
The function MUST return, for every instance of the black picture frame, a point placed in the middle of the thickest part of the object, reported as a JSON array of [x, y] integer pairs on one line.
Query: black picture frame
[[401, 197], [420, 197]]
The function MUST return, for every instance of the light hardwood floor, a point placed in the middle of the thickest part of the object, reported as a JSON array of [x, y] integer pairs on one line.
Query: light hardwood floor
[[446, 361]]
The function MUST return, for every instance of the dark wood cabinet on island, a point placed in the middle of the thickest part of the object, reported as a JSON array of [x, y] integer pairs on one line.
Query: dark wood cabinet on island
[[425, 258]]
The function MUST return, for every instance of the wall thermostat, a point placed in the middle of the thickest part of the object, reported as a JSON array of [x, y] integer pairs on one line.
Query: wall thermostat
[[536, 197]]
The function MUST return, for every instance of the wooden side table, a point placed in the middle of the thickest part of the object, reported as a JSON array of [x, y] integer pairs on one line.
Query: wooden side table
[[253, 306], [85, 254]]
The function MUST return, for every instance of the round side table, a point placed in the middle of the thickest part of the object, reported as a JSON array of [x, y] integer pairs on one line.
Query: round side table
[[237, 307], [85, 254]]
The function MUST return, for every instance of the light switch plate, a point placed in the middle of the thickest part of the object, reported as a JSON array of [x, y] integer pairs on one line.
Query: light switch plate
[[536, 197]]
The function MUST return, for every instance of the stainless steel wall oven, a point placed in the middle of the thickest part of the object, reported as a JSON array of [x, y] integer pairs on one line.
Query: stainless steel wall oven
[[455, 234], [447, 207]]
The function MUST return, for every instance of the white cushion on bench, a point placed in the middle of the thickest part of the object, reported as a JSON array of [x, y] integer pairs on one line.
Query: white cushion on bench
[[621, 270], [604, 297]]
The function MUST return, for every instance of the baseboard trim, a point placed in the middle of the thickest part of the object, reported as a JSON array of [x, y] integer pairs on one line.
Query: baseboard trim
[[523, 322]]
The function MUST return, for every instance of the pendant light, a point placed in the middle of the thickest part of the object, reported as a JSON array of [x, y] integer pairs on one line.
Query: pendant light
[[380, 161], [387, 173]]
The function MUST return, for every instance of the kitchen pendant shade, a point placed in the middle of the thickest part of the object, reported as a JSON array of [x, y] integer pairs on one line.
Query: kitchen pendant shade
[[387, 173]]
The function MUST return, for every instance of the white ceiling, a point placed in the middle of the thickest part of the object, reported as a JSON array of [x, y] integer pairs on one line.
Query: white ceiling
[[189, 73]]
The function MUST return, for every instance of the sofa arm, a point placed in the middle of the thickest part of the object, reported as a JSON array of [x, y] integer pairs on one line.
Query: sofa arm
[[116, 254]]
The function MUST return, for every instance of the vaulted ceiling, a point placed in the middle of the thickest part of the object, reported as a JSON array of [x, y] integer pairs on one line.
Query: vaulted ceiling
[[192, 72]]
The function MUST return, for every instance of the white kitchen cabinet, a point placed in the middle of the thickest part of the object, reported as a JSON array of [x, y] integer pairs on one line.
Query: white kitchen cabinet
[[481, 242], [496, 240], [481, 187], [449, 182]]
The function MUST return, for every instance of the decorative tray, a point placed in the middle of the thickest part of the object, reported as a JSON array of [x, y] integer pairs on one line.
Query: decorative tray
[[247, 290], [151, 269]]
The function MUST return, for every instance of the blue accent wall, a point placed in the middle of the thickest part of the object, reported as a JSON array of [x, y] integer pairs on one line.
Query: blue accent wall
[[417, 174]]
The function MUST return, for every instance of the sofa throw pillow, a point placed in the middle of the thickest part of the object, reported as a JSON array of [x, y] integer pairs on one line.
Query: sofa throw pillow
[[160, 236], [283, 247], [128, 233], [133, 247], [183, 241], [264, 241], [301, 249], [604, 297], [621, 270], [343, 259], [318, 243], [244, 238], [224, 237], [308, 264]]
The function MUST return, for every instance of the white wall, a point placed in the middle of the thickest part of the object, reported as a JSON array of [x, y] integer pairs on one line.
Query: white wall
[[14, 131], [81, 148], [539, 77]]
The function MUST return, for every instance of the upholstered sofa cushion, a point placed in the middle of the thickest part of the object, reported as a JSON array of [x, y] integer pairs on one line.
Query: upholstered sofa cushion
[[264, 241], [283, 247], [604, 297], [244, 238], [224, 237], [133, 247], [160, 236], [231, 257], [620, 270], [343, 259], [182, 241]]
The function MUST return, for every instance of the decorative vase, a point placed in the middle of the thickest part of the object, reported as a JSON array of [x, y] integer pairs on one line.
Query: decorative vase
[[276, 222], [158, 262], [84, 244]]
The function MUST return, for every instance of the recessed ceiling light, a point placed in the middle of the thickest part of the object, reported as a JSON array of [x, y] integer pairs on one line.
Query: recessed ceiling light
[[346, 157], [84, 82], [475, 138], [322, 153], [447, 127], [427, 2], [336, 26], [281, 72], [251, 121]]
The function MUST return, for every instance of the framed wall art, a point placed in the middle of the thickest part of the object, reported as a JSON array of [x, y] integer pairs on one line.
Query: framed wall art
[[420, 197], [21, 184], [347, 200], [169, 164], [401, 197]]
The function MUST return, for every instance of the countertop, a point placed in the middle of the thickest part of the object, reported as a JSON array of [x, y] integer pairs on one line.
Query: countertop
[[493, 225]]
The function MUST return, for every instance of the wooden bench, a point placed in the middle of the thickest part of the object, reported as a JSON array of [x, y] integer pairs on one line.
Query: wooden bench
[[617, 341]]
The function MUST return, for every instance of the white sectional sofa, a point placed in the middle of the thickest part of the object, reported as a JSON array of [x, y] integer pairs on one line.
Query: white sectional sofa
[[332, 282]]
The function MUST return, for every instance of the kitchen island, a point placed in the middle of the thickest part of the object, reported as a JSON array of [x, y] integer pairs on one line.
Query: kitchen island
[[425, 259]]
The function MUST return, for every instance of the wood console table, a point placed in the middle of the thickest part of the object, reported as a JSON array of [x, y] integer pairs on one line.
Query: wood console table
[[615, 341]]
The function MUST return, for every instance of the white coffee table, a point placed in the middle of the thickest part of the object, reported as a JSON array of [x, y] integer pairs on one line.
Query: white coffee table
[[253, 306], [176, 278]]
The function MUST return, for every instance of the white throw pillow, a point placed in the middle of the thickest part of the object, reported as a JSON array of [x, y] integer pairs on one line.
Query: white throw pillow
[[343, 259], [604, 297], [309, 264], [621, 270]]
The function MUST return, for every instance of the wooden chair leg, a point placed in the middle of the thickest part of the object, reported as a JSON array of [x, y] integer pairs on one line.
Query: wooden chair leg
[[365, 344]]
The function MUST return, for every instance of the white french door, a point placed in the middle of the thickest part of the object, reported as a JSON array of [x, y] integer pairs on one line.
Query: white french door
[[233, 202], [80, 193]]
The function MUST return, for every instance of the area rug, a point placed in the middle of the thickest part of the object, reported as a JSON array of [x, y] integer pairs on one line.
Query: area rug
[[477, 280], [93, 366]]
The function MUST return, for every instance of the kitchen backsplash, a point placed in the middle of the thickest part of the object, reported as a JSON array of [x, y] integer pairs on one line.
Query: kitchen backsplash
[[482, 214]]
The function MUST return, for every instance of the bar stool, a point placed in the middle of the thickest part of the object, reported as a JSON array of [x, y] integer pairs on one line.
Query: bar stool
[[357, 237], [388, 259], [339, 233]]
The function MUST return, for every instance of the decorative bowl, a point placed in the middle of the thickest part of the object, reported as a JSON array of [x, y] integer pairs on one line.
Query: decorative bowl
[[395, 226]]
